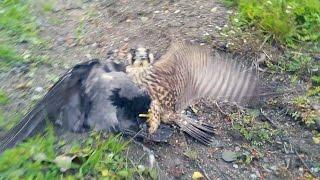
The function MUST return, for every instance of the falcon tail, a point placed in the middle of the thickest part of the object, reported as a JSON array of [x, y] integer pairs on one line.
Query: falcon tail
[[201, 131]]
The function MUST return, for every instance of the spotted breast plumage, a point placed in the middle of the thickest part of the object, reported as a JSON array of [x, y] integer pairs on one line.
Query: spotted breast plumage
[[184, 74]]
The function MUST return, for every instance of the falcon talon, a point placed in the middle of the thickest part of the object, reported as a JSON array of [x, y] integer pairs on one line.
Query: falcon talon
[[144, 115]]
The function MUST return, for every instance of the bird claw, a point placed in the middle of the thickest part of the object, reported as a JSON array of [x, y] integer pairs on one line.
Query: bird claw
[[152, 129], [144, 115], [153, 124]]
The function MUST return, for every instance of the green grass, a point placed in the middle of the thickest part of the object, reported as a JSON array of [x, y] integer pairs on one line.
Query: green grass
[[288, 21], [43, 157], [301, 65], [256, 132], [17, 21], [38, 158], [17, 25], [293, 25], [4, 99], [300, 108]]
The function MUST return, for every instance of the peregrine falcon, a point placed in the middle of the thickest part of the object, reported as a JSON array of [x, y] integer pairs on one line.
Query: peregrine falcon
[[184, 74]]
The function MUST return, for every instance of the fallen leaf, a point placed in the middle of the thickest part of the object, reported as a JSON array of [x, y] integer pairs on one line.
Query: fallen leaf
[[24, 85], [154, 174], [213, 10], [105, 172], [197, 175], [316, 140], [40, 157], [123, 173], [63, 162]]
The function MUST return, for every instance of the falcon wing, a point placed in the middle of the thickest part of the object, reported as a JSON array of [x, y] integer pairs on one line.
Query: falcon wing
[[198, 74]]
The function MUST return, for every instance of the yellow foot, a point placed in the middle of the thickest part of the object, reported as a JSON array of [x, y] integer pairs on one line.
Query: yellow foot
[[153, 126], [153, 120]]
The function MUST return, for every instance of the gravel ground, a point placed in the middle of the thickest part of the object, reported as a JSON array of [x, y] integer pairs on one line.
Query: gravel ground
[[76, 31]]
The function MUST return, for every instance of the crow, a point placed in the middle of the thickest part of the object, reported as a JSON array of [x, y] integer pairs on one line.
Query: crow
[[91, 95]]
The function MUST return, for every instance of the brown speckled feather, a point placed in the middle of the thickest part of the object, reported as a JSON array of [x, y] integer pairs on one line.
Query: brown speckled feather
[[187, 73], [191, 72]]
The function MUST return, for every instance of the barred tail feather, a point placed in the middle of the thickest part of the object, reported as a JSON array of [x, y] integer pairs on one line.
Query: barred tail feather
[[202, 132]]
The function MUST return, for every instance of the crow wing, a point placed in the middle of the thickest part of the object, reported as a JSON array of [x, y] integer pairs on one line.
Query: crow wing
[[59, 95], [90, 94]]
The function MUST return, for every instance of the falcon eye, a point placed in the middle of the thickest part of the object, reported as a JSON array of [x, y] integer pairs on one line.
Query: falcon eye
[[150, 57], [131, 56]]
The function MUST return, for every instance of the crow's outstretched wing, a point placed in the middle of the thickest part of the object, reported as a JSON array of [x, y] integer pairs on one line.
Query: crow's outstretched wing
[[67, 90], [94, 95]]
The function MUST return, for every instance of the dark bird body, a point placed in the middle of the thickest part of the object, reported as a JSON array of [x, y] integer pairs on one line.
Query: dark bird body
[[187, 73], [91, 94]]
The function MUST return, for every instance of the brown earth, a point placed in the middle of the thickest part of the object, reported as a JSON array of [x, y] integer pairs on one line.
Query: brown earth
[[76, 31]]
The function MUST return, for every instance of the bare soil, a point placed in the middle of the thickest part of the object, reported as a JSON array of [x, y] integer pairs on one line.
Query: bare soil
[[76, 31]]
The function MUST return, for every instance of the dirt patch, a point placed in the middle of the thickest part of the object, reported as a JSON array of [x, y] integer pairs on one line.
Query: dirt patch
[[76, 31]]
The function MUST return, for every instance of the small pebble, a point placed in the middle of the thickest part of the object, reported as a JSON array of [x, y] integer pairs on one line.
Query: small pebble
[[229, 156], [152, 160], [235, 166], [141, 167], [315, 170], [38, 89], [88, 56], [94, 45], [253, 176], [273, 168], [213, 10], [144, 19], [237, 148], [266, 160], [301, 169], [218, 28], [206, 34]]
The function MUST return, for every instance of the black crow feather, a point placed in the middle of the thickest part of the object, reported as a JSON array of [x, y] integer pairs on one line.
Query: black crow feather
[[91, 94]]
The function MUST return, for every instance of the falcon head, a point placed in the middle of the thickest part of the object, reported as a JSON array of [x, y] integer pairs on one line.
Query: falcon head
[[140, 57]]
